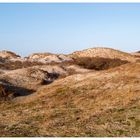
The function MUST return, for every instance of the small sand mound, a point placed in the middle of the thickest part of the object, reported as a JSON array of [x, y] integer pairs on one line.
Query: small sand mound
[[48, 57], [28, 78], [8, 54]]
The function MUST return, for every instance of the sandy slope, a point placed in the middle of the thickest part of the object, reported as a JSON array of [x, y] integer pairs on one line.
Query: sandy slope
[[104, 53]]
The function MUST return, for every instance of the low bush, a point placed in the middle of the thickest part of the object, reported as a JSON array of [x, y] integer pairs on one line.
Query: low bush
[[98, 63]]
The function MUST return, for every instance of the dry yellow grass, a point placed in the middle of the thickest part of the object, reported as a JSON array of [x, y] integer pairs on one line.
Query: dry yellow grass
[[104, 103]]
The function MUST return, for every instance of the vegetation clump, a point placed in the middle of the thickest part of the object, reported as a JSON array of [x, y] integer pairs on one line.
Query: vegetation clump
[[99, 63]]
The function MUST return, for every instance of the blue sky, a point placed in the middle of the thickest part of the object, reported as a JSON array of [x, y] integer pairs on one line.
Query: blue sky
[[67, 27]]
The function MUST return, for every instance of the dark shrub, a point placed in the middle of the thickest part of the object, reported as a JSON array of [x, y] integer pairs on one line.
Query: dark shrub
[[98, 63]]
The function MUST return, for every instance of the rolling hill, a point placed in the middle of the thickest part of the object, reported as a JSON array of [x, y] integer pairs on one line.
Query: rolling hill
[[79, 102]]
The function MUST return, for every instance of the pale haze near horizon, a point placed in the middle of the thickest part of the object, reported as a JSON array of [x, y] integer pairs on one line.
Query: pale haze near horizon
[[66, 27]]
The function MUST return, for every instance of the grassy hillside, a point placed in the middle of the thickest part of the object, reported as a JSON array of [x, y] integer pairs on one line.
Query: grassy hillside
[[101, 103]]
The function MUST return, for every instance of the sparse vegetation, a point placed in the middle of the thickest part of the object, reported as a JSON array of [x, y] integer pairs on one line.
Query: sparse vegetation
[[5, 94], [12, 65]]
